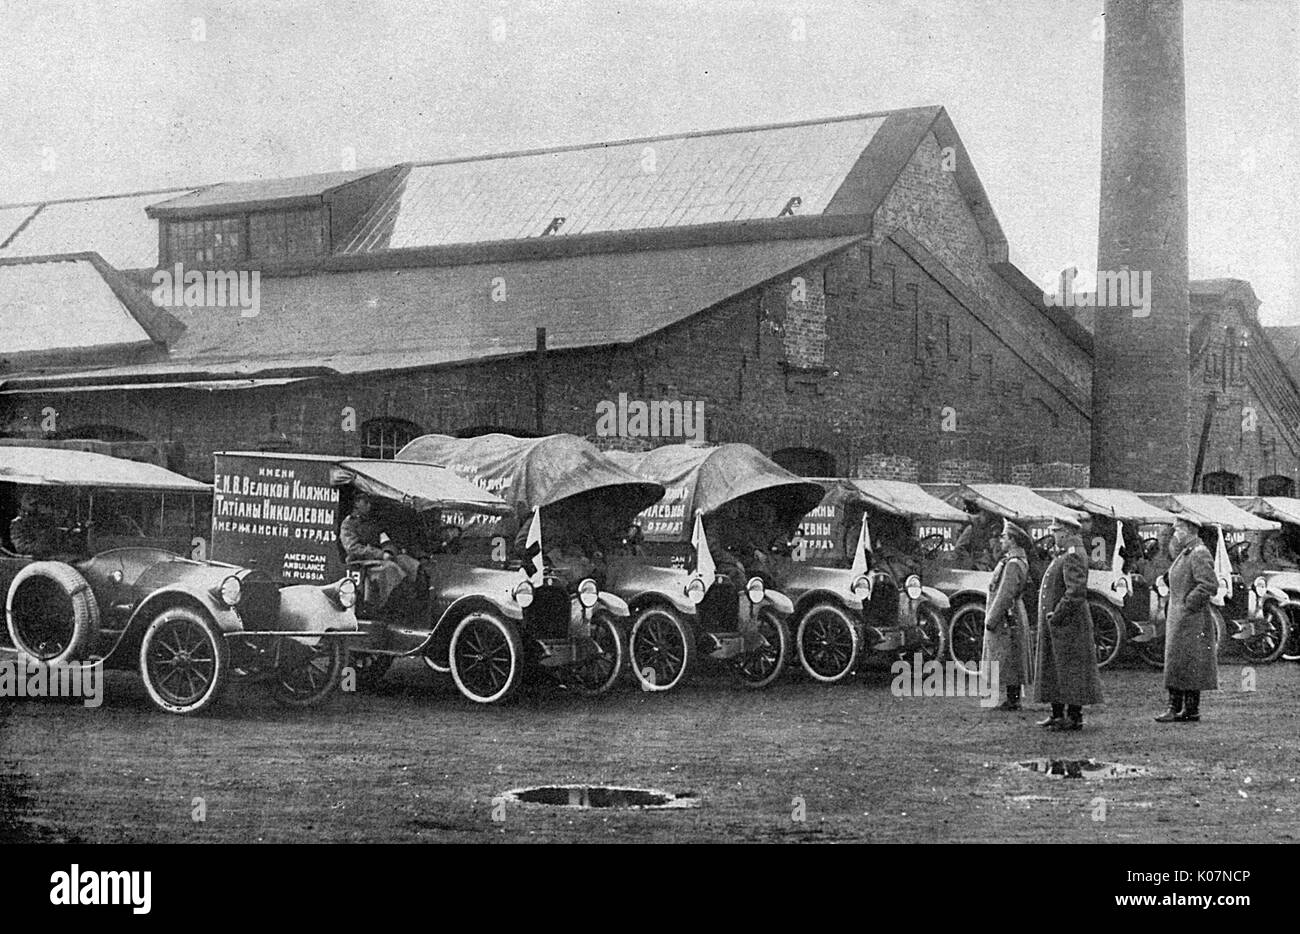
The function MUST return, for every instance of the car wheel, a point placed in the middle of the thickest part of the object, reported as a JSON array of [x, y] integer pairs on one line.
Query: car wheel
[[183, 660], [486, 657], [1267, 646], [934, 640], [369, 668], [828, 643], [661, 648], [966, 636], [52, 614], [1107, 631], [1152, 653], [598, 674], [314, 678], [761, 668]]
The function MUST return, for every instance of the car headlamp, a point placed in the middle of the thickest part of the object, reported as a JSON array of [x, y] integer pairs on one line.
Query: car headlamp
[[347, 593], [695, 590], [1260, 586], [913, 587], [861, 588], [755, 590], [523, 593], [231, 591], [588, 593]]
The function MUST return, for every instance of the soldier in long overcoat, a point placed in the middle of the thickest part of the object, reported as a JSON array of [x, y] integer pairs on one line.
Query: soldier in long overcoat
[[1191, 636], [1006, 624], [1067, 675]]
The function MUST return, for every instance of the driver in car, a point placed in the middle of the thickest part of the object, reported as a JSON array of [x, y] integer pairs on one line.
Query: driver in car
[[363, 539], [37, 529]]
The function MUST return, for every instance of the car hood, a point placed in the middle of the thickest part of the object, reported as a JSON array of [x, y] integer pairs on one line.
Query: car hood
[[149, 569]]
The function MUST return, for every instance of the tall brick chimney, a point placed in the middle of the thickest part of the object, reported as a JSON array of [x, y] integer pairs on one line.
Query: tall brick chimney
[[1140, 395]]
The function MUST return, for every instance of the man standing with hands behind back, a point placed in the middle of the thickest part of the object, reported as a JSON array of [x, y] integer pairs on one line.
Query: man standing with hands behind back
[[1191, 636], [1067, 675]]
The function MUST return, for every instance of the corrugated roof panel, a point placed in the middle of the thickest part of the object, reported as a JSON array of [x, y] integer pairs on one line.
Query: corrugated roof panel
[[61, 306], [115, 228], [710, 178]]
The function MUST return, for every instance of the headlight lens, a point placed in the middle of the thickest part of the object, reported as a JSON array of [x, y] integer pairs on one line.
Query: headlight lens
[[231, 591], [1260, 586], [695, 590], [523, 593], [755, 590], [1162, 585], [348, 593], [588, 593], [861, 588], [913, 587]]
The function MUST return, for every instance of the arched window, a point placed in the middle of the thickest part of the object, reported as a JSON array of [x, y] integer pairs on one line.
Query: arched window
[[1276, 485], [384, 437], [806, 462], [1222, 483]]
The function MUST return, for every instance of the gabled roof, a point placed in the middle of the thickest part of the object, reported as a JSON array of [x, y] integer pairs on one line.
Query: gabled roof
[[399, 318], [225, 197], [115, 227], [74, 303]]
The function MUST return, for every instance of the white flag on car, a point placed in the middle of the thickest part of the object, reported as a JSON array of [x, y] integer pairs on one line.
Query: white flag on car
[[860, 561], [704, 565], [1223, 571], [533, 562], [1117, 560]]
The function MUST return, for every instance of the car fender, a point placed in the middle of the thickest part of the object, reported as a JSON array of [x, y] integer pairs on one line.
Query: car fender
[[614, 604], [1108, 595], [644, 583], [308, 609], [507, 608], [778, 602], [226, 619], [935, 596], [850, 604], [1280, 597]]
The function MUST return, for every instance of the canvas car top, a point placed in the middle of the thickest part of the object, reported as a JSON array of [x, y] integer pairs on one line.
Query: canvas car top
[[1011, 502], [59, 467], [419, 486], [1114, 504], [902, 498], [1210, 509], [1279, 508], [705, 478], [532, 473]]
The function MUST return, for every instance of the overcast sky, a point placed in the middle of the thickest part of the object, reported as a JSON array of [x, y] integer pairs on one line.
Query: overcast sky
[[106, 97]]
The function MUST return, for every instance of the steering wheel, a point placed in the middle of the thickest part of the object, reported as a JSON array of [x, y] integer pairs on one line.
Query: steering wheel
[[932, 544]]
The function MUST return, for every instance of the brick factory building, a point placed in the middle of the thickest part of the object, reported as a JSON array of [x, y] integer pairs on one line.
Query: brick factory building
[[835, 292]]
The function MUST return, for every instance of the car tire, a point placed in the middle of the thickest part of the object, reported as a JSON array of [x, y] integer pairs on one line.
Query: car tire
[[966, 636], [487, 657], [660, 648], [598, 675], [930, 621], [184, 661], [51, 613], [1268, 646], [315, 679], [828, 642], [759, 669], [1107, 631]]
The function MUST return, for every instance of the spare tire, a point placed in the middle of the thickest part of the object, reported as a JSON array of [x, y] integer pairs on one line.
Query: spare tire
[[51, 612]]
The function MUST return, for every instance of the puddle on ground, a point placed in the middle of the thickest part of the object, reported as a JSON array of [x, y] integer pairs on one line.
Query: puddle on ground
[[1081, 768], [601, 796]]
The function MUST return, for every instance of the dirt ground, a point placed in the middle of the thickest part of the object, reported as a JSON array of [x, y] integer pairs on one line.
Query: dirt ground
[[415, 762]]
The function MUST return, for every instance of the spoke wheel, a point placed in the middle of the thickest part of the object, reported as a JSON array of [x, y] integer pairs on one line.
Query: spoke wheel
[[184, 661], [1107, 631], [966, 636], [314, 678], [486, 658], [1152, 653], [1267, 646], [599, 673], [661, 648], [934, 639], [761, 668], [828, 643]]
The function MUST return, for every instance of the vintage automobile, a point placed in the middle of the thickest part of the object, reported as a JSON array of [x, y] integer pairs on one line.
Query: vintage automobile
[[590, 504], [487, 624], [717, 520], [1253, 611], [862, 574], [1124, 552], [1034, 513], [110, 585], [1280, 552]]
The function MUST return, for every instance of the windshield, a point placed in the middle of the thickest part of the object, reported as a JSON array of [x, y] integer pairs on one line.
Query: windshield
[[72, 522]]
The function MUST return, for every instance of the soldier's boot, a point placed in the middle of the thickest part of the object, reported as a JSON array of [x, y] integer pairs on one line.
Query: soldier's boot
[[1175, 711], [1013, 698], [1072, 721], [1191, 707], [1058, 714]]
